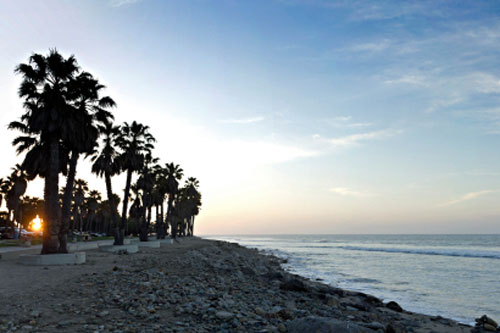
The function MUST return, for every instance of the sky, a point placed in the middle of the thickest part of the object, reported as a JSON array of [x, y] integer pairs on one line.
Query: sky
[[296, 116]]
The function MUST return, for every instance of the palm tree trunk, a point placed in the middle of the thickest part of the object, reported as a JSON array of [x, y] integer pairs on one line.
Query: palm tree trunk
[[160, 230], [10, 221], [142, 226], [52, 212], [191, 226], [66, 207], [163, 224], [112, 208], [168, 219], [125, 200]]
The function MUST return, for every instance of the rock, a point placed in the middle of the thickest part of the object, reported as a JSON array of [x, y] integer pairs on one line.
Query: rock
[[394, 306], [489, 327], [373, 300], [35, 313], [375, 325], [293, 285], [247, 271], [259, 311], [281, 328], [273, 275], [321, 325], [224, 315], [486, 320], [390, 329], [332, 301], [103, 314]]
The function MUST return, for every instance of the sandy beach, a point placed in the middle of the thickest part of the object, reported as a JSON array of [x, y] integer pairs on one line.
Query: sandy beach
[[195, 285]]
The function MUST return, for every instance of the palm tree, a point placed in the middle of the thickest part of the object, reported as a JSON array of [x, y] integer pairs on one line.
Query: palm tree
[[47, 120], [89, 109], [105, 164], [92, 202], [145, 184], [18, 180], [104, 215], [31, 207], [174, 174], [81, 188], [159, 193], [189, 206], [13, 189], [135, 142]]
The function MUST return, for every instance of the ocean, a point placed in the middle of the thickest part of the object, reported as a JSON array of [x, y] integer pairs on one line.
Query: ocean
[[454, 276]]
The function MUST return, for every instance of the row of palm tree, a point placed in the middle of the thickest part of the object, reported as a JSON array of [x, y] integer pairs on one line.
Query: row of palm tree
[[66, 117], [12, 189]]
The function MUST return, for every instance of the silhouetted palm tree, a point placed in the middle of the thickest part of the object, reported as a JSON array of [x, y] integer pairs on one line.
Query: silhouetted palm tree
[[92, 202], [159, 193], [14, 188], [105, 164], [89, 110], [146, 183], [45, 90], [189, 203], [174, 174], [18, 179], [79, 192], [135, 142]]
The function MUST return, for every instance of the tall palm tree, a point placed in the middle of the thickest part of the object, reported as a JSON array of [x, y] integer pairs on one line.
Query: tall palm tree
[[89, 110], [174, 174], [18, 179], [13, 189], [159, 193], [80, 190], [47, 118], [135, 142], [106, 164], [92, 202], [145, 184], [190, 203]]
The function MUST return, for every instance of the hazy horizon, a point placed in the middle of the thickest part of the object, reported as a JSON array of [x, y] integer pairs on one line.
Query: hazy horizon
[[295, 115]]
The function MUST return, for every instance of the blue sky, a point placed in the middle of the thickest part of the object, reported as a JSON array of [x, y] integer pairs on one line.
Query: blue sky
[[297, 116]]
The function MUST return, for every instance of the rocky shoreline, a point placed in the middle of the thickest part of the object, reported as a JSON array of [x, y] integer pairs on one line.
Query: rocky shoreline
[[196, 285]]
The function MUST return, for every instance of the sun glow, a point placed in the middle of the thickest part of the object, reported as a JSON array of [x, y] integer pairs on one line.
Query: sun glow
[[36, 224]]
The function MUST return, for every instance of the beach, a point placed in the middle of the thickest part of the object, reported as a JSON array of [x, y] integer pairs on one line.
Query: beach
[[195, 285]]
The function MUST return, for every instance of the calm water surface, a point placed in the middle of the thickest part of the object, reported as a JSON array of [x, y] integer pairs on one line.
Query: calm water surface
[[455, 276]]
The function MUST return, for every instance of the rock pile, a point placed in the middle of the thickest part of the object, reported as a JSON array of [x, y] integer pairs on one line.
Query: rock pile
[[206, 286], [486, 324]]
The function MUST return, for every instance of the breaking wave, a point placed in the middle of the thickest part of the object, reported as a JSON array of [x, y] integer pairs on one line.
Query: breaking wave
[[429, 251]]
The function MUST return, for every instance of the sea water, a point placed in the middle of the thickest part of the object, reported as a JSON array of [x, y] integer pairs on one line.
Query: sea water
[[454, 276]]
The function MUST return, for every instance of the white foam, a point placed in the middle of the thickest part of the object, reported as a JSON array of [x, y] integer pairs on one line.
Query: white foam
[[429, 251]]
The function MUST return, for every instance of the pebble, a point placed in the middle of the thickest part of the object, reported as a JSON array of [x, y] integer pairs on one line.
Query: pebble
[[224, 315]]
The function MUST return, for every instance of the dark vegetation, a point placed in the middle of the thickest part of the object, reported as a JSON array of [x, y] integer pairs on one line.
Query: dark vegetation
[[66, 117]]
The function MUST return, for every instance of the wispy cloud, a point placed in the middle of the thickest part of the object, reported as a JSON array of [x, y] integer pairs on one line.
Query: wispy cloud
[[345, 122], [443, 103], [418, 80], [344, 191], [372, 46], [467, 197], [119, 3], [354, 139], [250, 120], [486, 83], [371, 10]]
